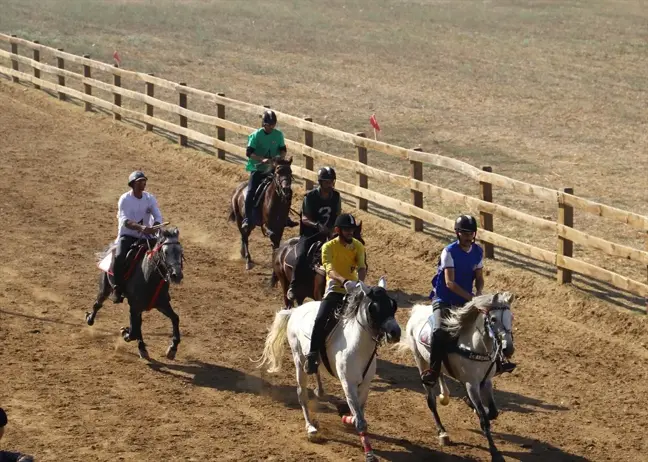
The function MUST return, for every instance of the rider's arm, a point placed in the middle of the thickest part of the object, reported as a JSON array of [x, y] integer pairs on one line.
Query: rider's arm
[[453, 286], [282, 147], [360, 261], [155, 211], [251, 148], [327, 262], [479, 281], [308, 215]]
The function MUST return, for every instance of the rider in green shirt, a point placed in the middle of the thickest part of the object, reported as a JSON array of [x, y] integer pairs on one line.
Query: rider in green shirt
[[264, 145]]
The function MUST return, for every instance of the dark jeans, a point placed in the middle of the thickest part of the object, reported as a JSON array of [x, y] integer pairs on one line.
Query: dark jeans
[[124, 243], [301, 261], [324, 316], [253, 184]]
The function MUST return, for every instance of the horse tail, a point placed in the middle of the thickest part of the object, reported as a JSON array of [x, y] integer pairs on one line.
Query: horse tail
[[274, 279], [402, 347], [274, 344]]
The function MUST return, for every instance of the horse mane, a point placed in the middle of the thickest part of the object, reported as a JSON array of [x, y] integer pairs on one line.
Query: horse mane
[[352, 305], [456, 320]]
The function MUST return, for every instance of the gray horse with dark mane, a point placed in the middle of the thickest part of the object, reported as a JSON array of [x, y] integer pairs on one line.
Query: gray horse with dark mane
[[151, 270]]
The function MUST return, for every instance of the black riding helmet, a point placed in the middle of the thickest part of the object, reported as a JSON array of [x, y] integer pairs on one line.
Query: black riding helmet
[[269, 118], [136, 175], [466, 223], [345, 220], [326, 173]]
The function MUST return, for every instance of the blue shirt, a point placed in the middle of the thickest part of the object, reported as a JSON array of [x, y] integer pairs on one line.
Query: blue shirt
[[465, 264]]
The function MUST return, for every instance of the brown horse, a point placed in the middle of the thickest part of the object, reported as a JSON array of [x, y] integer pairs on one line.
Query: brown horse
[[312, 284], [275, 207]]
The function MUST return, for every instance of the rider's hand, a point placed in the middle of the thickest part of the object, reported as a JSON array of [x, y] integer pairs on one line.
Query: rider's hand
[[265, 161], [349, 286], [148, 230]]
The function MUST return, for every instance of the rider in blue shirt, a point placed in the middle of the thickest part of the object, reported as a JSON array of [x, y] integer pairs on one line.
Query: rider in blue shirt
[[460, 267]]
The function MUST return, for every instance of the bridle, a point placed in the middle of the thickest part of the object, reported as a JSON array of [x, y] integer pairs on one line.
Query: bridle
[[277, 179], [161, 265]]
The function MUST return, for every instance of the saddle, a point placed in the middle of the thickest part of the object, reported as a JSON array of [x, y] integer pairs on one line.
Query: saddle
[[260, 191], [133, 257], [332, 323]]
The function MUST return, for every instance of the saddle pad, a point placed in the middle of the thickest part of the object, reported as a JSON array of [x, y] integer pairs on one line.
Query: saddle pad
[[424, 336], [106, 262]]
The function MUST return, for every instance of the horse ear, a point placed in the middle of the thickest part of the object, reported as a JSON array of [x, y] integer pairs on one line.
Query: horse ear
[[363, 287], [290, 161], [383, 282], [507, 297]]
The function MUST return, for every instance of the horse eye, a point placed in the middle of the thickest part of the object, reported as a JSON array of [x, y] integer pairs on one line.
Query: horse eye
[[493, 318]]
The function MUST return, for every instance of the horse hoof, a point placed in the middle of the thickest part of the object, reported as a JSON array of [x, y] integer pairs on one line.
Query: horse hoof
[[171, 352], [143, 354], [313, 436], [444, 439], [319, 394], [125, 333], [249, 265], [89, 318], [444, 400]]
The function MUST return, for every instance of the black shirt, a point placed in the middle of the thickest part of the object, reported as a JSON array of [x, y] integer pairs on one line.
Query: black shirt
[[320, 210]]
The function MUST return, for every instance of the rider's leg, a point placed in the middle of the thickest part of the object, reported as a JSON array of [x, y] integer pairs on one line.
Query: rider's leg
[[253, 184], [437, 346], [123, 244], [326, 309], [301, 262]]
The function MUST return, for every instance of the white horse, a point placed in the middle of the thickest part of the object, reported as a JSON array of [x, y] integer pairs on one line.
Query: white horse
[[482, 330], [367, 317]]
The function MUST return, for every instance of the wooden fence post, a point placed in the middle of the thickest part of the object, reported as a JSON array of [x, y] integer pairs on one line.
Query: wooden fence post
[[60, 63], [486, 194], [14, 63], [416, 173], [182, 139], [308, 160], [150, 91], [87, 86], [565, 246], [362, 180], [116, 96], [220, 113], [36, 57]]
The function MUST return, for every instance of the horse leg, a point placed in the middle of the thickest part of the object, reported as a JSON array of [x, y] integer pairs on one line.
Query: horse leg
[[444, 439], [175, 321], [302, 396], [134, 332], [245, 248], [104, 292], [352, 394], [487, 397], [474, 394], [319, 391]]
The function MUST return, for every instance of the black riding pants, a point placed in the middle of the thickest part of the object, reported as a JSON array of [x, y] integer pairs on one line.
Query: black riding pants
[[324, 316], [253, 184], [439, 336], [301, 261], [123, 244]]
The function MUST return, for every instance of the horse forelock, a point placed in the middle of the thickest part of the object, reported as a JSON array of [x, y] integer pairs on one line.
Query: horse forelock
[[171, 233]]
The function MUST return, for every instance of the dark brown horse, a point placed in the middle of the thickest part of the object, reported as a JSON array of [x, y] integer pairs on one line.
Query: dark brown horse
[[312, 284], [275, 207]]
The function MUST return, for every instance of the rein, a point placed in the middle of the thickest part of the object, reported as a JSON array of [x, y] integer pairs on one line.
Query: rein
[[161, 267]]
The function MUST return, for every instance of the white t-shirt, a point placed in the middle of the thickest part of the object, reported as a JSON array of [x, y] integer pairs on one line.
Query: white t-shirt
[[144, 211]]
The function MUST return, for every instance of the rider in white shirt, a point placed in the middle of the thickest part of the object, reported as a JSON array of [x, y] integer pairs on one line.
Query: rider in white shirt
[[137, 212]]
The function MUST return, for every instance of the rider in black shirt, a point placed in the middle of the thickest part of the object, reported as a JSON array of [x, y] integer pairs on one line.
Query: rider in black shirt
[[321, 207]]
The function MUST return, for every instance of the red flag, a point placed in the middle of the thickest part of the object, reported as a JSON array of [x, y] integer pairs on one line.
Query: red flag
[[117, 58], [374, 122]]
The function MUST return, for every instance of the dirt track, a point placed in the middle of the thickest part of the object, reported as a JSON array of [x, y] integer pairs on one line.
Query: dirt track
[[79, 393]]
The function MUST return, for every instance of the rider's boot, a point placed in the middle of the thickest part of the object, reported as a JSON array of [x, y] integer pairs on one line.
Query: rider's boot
[[431, 376], [505, 366]]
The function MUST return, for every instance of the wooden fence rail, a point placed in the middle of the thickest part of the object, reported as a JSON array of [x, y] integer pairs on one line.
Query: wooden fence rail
[[565, 200]]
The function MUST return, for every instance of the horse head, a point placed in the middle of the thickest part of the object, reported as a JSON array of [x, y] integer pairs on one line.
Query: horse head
[[283, 178], [499, 317], [380, 309], [171, 254]]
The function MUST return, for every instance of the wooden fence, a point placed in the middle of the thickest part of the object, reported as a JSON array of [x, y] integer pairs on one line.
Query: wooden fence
[[565, 201]]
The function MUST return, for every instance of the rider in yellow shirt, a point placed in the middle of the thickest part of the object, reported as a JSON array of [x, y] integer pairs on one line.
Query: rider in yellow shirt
[[344, 262]]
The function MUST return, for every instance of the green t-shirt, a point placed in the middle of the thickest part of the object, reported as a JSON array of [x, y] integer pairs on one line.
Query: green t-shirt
[[266, 145]]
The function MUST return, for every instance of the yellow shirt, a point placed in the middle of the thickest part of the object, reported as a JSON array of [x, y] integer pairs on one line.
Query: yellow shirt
[[344, 259]]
